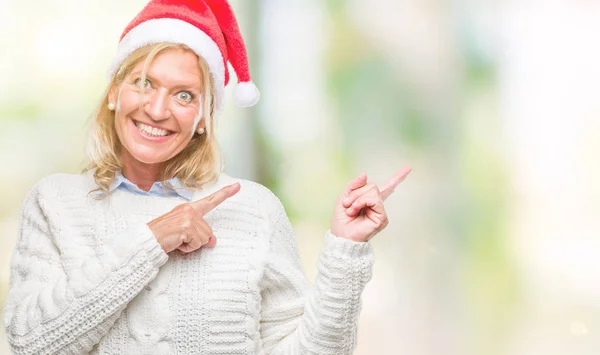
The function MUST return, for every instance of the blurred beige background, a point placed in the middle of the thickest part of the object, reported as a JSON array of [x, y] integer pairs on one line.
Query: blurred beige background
[[494, 242]]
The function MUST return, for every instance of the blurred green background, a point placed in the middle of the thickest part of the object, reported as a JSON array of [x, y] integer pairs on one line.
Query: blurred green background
[[494, 242]]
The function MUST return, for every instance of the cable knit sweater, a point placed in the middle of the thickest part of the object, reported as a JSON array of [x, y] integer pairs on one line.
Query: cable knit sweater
[[88, 276]]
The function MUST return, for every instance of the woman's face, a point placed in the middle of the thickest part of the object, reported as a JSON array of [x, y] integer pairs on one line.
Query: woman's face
[[170, 107]]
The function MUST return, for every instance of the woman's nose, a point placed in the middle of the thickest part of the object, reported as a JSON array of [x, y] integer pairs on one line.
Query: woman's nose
[[156, 105]]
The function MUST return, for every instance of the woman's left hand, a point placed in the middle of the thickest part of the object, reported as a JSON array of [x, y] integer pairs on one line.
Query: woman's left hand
[[359, 212]]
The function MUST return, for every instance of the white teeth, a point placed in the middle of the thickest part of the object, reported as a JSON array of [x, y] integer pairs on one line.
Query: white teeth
[[151, 130]]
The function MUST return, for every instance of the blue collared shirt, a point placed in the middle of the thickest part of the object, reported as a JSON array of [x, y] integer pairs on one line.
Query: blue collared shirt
[[157, 189]]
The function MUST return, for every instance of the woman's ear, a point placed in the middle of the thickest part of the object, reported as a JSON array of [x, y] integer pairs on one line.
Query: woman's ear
[[112, 95], [200, 128]]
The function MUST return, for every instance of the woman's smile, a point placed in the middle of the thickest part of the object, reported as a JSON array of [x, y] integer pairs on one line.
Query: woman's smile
[[150, 133]]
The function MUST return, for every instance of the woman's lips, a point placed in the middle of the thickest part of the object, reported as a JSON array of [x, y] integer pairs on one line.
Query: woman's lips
[[156, 139]]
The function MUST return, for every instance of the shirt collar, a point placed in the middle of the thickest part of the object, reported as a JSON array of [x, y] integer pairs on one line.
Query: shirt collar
[[172, 187]]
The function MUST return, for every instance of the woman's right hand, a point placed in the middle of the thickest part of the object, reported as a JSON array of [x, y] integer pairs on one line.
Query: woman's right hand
[[184, 227]]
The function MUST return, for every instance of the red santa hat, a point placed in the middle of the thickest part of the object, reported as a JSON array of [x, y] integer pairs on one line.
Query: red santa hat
[[208, 27]]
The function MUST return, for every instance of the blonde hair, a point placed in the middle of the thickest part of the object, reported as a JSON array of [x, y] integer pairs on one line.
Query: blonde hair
[[198, 163]]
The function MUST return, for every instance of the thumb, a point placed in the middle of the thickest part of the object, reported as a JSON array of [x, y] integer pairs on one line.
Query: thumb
[[356, 183], [211, 242]]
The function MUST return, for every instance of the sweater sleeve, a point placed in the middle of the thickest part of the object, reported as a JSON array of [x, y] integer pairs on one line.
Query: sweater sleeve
[[298, 318], [49, 311]]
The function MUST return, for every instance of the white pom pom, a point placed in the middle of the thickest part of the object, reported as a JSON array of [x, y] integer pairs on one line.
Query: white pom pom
[[246, 94]]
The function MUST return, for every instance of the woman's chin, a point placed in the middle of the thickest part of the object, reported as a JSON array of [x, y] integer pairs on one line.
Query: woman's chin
[[150, 153], [149, 157]]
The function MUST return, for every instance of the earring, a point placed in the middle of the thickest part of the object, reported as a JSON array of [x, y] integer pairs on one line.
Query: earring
[[200, 130], [111, 106]]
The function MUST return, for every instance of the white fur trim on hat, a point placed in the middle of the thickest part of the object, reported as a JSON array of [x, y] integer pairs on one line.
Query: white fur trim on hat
[[174, 31]]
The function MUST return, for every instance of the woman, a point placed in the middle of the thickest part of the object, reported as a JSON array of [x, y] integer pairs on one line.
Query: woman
[[152, 250]]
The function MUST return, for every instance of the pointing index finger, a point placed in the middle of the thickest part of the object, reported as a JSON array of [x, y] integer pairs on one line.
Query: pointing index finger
[[388, 187], [211, 201]]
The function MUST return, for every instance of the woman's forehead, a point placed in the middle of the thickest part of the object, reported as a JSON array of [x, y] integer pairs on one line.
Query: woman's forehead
[[173, 66]]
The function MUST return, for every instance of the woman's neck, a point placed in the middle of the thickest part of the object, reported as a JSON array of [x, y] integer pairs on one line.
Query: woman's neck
[[141, 174]]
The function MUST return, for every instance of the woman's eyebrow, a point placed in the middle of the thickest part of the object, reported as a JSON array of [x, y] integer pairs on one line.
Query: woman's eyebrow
[[137, 72], [180, 85], [189, 86]]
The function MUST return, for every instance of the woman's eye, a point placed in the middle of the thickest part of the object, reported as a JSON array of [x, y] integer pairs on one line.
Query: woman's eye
[[147, 84], [185, 96]]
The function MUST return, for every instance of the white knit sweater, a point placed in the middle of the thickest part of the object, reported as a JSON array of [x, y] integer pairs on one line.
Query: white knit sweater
[[88, 276]]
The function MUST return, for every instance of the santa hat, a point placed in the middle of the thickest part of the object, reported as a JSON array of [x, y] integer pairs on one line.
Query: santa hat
[[208, 27]]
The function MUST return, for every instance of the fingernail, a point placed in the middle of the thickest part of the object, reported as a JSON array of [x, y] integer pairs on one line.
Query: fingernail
[[345, 201], [349, 210]]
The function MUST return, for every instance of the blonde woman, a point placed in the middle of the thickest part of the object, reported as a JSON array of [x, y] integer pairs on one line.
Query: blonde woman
[[152, 250]]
